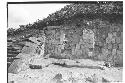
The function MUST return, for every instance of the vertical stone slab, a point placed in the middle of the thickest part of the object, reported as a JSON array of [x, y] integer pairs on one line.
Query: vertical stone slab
[[88, 35]]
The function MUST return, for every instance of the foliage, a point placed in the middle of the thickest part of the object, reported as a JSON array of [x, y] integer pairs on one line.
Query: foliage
[[86, 10]]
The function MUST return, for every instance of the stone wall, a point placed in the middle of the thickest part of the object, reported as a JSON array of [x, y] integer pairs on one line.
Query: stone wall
[[112, 45], [69, 43], [98, 40]]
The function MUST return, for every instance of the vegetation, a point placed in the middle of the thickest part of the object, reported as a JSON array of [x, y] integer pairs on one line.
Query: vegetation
[[111, 11]]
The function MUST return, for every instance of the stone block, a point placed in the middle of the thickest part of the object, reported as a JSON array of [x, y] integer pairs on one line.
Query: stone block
[[120, 46], [73, 50], [33, 39], [30, 44], [105, 46], [103, 36], [119, 59], [118, 33], [103, 55], [122, 34], [118, 40], [41, 39], [17, 66], [113, 40], [77, 47], [90, 54], [105, 51], [81, 41], [110, 46], [100, 44], [114, 51], [115, 46], [110, 35], [114, 34], [111, 28], [109, 52], [119, 52], [117, 29], [24, 56], [28, 50], [96, 43], [121, 38], [90, 45], [108, 40]]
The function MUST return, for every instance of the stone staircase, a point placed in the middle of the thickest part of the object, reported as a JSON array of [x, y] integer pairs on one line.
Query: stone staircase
[[12, 51]]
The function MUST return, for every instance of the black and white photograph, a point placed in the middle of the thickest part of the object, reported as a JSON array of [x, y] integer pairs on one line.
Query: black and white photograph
[[65, 42]]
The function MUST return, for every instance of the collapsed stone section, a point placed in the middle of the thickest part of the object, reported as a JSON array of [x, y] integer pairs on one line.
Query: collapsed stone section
[[33, 48]]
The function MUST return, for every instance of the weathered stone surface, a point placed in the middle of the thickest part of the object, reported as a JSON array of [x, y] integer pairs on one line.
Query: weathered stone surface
[[28, 50], [113, 40], [41, 39], [71, 40], [122, 34], [24, 56], [34, 39], [110, 46], [118, 40], [108, 40], [17, 66], [89, 35], [90, 54], [121, 38], [104, 36], [55, 73], [30, 44], [100, 43], [103, 55], [105, 46], [119, 59], [79, 52], [105, 51], [120, 46], [110, 52], [114, 51], [110, 35], [119, 33], [114, 34], [119, 52], [115, 46]]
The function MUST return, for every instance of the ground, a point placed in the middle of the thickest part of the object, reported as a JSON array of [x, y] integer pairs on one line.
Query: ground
[[76, 71]]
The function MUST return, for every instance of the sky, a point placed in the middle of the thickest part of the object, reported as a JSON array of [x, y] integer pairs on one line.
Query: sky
[[22, 14]]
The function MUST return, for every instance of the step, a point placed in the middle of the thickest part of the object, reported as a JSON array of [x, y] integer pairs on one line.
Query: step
[[13, 52], [11, 59], [12, 55]]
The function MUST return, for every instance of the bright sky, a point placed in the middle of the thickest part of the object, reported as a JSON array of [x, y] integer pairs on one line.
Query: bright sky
[[22, 14]]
